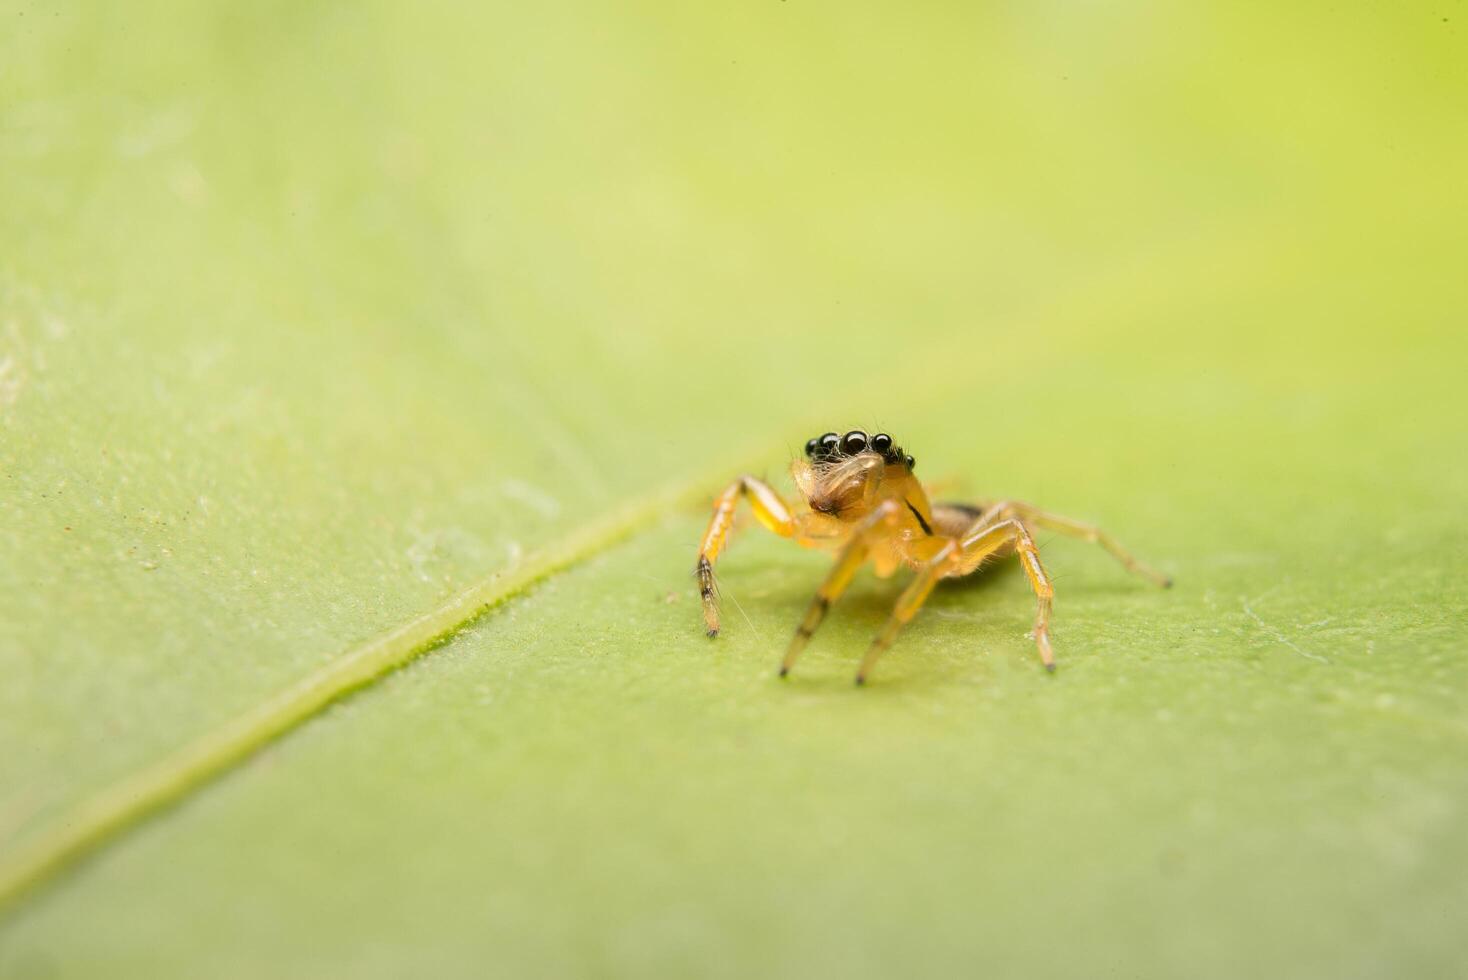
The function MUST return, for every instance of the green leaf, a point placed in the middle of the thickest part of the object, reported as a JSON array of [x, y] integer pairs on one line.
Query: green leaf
[[323, 327]]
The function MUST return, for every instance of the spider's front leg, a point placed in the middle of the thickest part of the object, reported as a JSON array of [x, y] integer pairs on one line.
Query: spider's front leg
[[851, 558], [966, 554], [769, 509]]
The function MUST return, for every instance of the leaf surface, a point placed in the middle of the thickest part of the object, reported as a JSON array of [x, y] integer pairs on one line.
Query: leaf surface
[[314, 316]]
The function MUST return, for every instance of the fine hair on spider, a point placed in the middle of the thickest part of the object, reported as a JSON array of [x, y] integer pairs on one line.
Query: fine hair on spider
[[859, 497]]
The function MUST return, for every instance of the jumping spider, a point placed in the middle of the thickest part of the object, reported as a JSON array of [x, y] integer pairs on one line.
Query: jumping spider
[[862, 499]]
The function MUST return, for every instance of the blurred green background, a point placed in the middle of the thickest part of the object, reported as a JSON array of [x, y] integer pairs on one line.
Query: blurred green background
[[312, 314]]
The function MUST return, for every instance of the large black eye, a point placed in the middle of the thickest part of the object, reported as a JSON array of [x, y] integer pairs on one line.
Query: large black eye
[[854, 442], [812, 446], [882, 443], [829, 442], [911, 463]]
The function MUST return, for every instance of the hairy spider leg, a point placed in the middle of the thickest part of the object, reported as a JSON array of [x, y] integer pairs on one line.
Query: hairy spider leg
[[769, 509], [851, 558], [962, 557], [1035, 517]]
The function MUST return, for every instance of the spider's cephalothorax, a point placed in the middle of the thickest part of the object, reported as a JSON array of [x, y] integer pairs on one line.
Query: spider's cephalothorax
[[861, 497]]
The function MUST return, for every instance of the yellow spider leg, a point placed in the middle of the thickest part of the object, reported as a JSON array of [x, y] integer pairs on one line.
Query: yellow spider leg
[[959, 559], [1079, 529], [908, 604], [851, 558], [985, 539], [769, 509]]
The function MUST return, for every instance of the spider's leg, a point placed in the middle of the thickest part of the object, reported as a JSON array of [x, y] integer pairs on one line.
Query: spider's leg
[[837, 579], [908, 604], [983, 541], [769, 509], [1035, 517]]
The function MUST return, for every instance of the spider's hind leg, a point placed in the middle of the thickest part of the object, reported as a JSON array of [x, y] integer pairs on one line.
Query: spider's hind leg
[[1035, 517]]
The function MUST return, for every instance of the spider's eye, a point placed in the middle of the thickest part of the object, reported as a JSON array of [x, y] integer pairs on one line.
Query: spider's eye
[[812, 446], [828, 443], [911, 462], [854, 442], [881, 443]]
